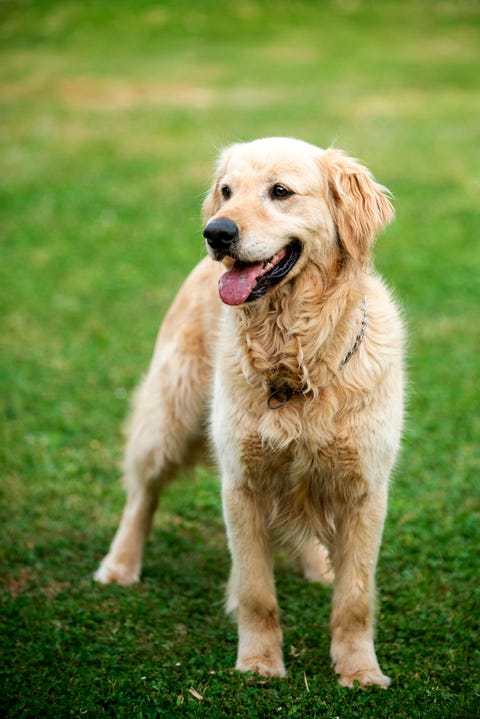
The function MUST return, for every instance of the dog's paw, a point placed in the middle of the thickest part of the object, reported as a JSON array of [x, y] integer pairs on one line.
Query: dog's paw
[[263, 666], [316, 563], [110, 572], [365, 678], [317, 575]]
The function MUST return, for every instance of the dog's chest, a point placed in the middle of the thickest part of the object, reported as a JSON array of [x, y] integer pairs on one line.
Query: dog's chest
[[303, 473], [302, 490], [299, 422]]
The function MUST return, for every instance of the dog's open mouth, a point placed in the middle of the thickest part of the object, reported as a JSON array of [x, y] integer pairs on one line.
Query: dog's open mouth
[[246, 282]]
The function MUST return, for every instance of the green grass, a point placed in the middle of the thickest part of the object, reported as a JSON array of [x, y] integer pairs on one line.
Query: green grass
[[111, 114]]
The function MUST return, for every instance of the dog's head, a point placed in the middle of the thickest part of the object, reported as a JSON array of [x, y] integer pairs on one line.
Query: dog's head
[[278, 203]]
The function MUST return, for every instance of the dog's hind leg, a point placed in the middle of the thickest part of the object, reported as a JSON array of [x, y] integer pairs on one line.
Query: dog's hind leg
[[160, 443], [167, 422], [122, 564]]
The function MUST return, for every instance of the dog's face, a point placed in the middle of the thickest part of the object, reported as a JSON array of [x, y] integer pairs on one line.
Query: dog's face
[[277, 204]]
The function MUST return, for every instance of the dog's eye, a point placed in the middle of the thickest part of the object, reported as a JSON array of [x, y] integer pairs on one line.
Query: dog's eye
[[280, 192], [226, 192]]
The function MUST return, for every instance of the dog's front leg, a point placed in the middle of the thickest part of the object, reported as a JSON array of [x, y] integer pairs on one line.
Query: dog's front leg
[[354, 558], [251, 590]]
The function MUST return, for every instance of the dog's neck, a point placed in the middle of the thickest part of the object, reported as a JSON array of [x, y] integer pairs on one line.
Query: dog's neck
[[296, 340]]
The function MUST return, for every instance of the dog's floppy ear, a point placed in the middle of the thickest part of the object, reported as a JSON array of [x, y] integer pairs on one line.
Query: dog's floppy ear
[[211, 204], [360, 206]]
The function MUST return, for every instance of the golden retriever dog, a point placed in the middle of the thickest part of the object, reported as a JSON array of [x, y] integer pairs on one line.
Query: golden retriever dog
[[285, 348]]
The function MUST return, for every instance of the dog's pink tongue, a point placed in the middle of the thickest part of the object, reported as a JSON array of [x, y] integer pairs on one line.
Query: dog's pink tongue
[[235, 285]]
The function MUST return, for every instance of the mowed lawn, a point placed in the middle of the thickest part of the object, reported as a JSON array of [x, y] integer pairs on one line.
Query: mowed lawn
[[111, 116]]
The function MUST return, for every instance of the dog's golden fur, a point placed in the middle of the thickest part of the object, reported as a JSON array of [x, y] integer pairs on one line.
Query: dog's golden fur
[[312, 474]]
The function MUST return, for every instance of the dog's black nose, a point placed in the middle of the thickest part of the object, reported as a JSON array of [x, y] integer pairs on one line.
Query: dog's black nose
[[221, 233]]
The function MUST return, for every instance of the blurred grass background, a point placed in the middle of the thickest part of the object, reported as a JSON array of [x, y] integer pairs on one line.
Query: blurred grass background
[[111, 115]]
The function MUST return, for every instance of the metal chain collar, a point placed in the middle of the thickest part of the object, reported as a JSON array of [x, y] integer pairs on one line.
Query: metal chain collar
[[360, 336]]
